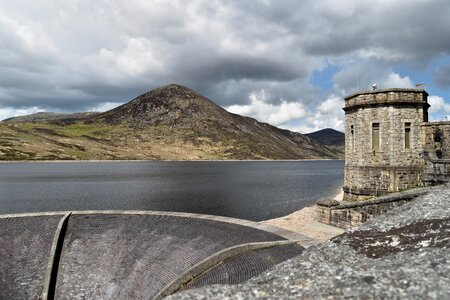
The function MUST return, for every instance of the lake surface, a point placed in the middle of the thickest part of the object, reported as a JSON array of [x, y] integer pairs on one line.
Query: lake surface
[[254, 190]]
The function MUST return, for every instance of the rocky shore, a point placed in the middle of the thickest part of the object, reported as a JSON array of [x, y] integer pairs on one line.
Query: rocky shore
[[403, 254]]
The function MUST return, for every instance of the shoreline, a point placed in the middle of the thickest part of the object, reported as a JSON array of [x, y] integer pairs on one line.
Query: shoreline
[[303, 221], [167, 160]]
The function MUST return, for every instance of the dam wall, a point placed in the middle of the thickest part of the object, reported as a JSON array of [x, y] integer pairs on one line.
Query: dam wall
[[131, 255]]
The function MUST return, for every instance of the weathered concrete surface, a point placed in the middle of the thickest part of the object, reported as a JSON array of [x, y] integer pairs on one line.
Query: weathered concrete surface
[[133, 257], [25, 244], [122, 254], [404, 254]]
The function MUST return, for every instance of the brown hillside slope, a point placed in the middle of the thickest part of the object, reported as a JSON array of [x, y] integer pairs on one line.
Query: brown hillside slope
[[171, 122], [331, 138]]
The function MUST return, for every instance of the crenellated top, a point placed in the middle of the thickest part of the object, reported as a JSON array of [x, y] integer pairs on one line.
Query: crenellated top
[[384, 97]]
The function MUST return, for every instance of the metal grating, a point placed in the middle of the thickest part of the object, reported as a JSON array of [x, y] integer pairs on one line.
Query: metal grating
[[245, 266]]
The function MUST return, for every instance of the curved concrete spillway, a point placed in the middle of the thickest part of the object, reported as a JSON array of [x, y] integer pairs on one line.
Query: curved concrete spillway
[[25, 245], [127, 255]]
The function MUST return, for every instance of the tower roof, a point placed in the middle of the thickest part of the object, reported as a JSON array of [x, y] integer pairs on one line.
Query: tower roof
[[387, 97], [390, 90]]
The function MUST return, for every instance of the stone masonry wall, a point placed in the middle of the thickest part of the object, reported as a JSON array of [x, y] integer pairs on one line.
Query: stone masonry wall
[[392, 151], [436, 136], [348, 215], [378, 181], [411, 152], [436, 140], [393, 166], [394, 96]]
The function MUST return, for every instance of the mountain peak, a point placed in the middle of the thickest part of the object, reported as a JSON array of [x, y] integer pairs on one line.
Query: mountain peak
[[173, 88], [331, 138], [168, 93], [170, 104]]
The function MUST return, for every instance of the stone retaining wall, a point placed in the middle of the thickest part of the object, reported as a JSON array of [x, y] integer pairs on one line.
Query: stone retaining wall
[[346, 215], [437, 152]]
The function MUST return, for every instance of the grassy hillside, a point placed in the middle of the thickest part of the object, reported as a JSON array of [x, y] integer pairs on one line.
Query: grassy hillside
[[171, 122]]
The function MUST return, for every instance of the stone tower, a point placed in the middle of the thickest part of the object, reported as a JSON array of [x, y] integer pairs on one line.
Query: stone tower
[[383, 142]]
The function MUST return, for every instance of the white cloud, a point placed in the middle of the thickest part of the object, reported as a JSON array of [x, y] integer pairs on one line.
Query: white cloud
[[25, 45], [395, 80], [361, 75], [137, 58], [437, 104], [380, 53], [274, 114], [331, 105], [104, 106], [294, 116], [329, 114], [8, 112]]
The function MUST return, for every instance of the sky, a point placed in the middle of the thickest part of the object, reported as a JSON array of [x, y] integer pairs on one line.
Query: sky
[[285, 62]]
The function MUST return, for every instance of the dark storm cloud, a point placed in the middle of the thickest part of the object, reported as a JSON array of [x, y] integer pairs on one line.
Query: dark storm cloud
[[77, 55], [219, 69], [442, 76], [410, 31]]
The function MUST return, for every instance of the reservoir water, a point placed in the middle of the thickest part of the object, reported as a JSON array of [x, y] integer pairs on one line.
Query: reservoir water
[[254, 190]]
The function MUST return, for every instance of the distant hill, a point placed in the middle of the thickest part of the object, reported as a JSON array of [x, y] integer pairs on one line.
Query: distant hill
[[331, 138], [51, 116], [171, 122]]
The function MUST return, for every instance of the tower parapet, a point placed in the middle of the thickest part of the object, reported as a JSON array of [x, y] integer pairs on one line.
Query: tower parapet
[[383, 141]]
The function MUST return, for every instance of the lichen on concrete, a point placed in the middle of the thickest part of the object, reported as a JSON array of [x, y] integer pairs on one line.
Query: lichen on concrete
[[412, 261]]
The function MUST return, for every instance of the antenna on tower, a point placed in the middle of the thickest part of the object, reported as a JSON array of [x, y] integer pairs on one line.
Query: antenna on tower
[[420, 86], [374, 87]]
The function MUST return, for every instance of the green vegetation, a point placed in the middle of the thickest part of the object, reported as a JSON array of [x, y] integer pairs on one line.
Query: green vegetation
[[172, 122]]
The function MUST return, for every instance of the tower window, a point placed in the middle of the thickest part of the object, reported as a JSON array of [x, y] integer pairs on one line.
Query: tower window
[[407, 135], [437, 136], [375, 136], [352, 130]]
